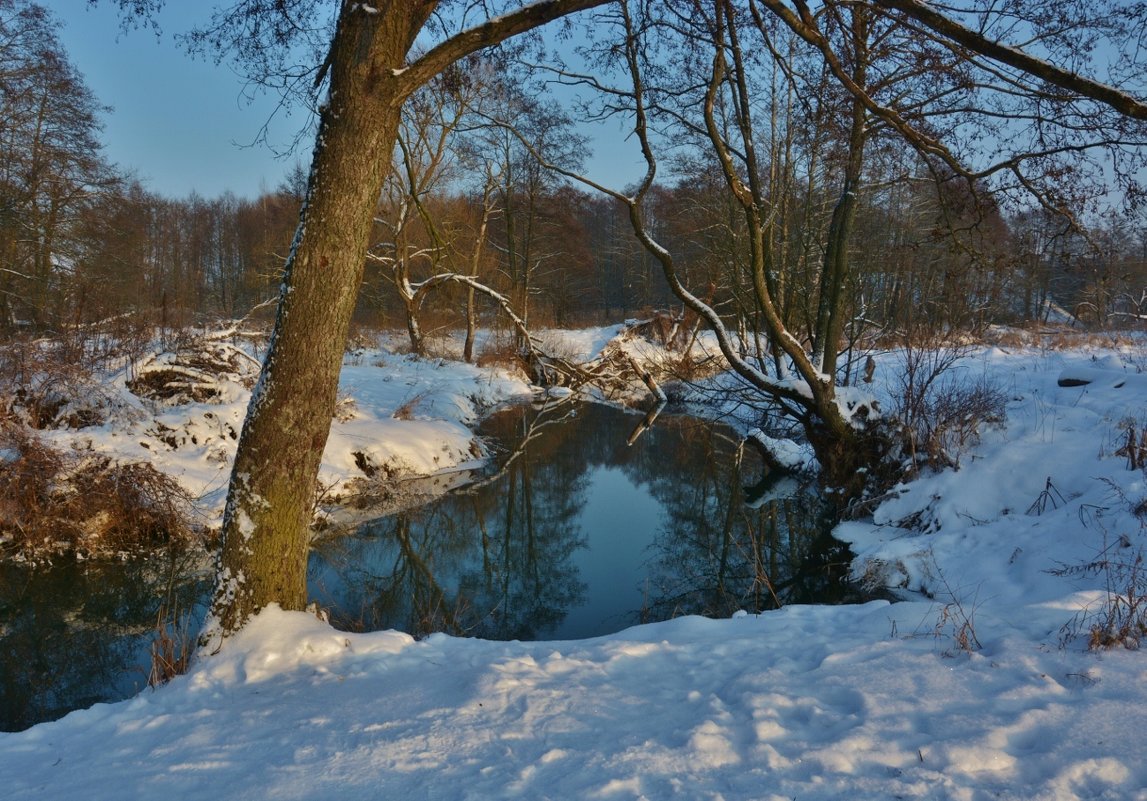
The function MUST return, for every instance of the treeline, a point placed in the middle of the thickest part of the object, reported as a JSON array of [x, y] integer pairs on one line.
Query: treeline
[[471, 227]]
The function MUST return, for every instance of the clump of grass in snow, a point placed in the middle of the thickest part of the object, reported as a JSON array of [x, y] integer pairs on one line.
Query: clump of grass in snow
[[171, 647], [1120, 619]]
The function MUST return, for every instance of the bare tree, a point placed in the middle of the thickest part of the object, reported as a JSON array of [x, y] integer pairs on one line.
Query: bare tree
[[411, 234], [525, 235], [51, 168], [977, 115]]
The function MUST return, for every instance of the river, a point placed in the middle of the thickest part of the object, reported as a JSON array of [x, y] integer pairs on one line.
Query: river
[[573, 534]]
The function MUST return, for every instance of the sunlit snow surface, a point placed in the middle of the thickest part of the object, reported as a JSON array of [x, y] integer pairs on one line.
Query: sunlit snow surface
[[868, 702]]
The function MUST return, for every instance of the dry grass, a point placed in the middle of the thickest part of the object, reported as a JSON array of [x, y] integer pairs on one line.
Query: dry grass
[[502, 352], [1120, 619], [957, 623], [409, 408], [1066, 339], [1048, 336], [171, 648]]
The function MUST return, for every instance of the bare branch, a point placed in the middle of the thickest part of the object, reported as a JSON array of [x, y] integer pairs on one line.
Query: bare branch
[[489, 33], [1014, 57]]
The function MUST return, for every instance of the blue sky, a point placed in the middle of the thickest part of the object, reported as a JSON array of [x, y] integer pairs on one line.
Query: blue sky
[[184, 125], [180, 124]]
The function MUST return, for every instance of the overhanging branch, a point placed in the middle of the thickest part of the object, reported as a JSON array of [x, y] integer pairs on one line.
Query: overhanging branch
[[1014, 57], [489, 33]]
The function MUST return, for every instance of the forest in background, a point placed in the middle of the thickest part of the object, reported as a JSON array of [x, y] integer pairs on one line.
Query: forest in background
[[82, 242]]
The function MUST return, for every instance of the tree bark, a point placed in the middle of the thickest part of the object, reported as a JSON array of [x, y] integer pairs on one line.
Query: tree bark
[[263, 558], [833, 306], [271, 496]]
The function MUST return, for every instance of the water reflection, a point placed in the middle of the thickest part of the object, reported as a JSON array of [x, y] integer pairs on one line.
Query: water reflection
[[579, 534], [77, 633], [495, 561], [718, 554]]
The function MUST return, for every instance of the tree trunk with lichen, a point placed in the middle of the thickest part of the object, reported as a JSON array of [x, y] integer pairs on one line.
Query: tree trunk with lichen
[[263, 559], [271, 497]]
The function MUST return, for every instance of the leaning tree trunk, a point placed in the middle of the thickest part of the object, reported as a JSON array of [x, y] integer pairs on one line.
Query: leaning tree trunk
[[263, 559], [271, 497]]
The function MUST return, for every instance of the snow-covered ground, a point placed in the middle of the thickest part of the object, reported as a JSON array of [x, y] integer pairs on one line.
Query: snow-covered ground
[[399, 417], [878, 701]]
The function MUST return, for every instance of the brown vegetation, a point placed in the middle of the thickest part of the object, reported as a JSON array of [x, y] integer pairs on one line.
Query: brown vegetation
[[940, 411], [47, 384], [193, 371], [81, 502], [172, 647]]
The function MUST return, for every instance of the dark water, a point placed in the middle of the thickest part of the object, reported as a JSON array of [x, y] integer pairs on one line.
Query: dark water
[[577, 535], [79, 633]]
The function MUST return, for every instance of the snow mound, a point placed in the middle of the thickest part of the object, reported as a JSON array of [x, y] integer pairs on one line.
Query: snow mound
[[690, 708]]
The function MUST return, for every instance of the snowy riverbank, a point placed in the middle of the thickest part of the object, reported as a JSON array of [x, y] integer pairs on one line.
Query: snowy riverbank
[[871, 702]]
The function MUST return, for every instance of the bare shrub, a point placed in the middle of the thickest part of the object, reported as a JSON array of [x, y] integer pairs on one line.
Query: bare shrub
[[441, 345], [940, 410], [1134, 447], [26, 481], [361, 338], [135, 503], [83, 502], [502, 352], [55, 381], [106, 344], [45, 386]]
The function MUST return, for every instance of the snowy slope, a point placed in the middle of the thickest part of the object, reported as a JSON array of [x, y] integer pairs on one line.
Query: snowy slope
[[872, 702]]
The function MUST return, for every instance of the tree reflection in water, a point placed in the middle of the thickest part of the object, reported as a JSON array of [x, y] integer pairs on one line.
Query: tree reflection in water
[[509, 559], [493, 561], [78, 633], [727, 546]]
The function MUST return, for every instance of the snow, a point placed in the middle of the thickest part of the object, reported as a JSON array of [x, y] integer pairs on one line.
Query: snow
[[195, 442], [788, 453], [582, 344], [437, 399], [876, 701]]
